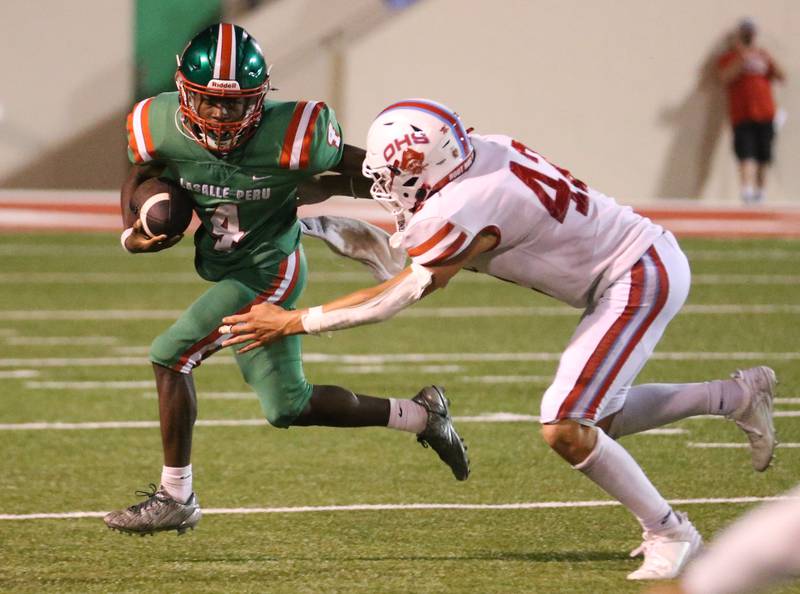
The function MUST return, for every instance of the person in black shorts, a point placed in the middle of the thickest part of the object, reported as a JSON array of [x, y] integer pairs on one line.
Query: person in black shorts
[[748, 71]]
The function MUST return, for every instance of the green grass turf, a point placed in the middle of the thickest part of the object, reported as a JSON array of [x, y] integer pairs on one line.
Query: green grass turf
[[539, 550]]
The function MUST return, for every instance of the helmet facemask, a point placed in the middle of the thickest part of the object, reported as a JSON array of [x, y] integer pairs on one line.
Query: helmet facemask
[[240, 113]]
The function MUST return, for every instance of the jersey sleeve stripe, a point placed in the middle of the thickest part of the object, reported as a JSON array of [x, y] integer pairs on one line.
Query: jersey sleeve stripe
[[291, 131], [225, 58], [297, 144], [451, 251], [431, 241], [305, 151], [140, 140]]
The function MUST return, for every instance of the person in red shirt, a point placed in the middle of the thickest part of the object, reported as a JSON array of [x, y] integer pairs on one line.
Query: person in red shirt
[[748, 71]]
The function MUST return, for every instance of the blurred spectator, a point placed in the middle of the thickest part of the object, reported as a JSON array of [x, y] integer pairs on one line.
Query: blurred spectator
[[748, 71]]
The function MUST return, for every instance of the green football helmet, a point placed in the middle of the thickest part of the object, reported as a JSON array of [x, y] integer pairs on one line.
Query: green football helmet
[[222, 80]]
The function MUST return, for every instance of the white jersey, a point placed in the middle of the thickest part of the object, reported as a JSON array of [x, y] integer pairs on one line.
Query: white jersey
[[556, 235]]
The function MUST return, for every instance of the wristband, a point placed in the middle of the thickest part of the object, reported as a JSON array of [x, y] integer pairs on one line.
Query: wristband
[[312, 321], [124, 237]]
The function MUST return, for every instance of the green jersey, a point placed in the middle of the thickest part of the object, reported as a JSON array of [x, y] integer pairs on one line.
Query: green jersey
[[246, 201]]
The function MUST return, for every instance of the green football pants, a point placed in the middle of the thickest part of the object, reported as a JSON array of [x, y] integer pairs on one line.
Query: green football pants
[[275, 372]]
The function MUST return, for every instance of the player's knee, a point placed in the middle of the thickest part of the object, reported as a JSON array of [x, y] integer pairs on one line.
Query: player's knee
[[561, 434], [163, 351], [282, 403]]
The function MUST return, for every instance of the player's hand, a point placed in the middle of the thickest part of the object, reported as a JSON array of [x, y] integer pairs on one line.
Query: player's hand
[[139, 241], [263, 324]]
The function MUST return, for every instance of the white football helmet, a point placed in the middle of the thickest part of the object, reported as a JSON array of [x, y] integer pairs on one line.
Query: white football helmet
[[414, 148]]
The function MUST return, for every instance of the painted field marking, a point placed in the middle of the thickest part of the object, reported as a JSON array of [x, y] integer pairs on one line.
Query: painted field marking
[[786, 400], [487, 417], [759, 255], [58, 426], [504, 379], [89, 385], [359, 276], [18, 373], [61, 340], [382, 358], [212, 395], [418, 312], [702, 445], [368, 369], [23, 249], [403, 507]]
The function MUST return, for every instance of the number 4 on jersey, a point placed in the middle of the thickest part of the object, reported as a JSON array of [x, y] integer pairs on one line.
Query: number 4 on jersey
[[226, 227], [567, 188]]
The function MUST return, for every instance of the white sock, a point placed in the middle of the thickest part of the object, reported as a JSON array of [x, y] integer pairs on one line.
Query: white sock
[[748, 194], [407, 415], [613, 469], [654, 405], [177, 481]]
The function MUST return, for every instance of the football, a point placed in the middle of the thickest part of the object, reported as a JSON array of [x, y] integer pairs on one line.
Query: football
[[163, 207]]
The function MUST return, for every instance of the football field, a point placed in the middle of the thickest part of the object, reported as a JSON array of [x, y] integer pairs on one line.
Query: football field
[[321, 510]]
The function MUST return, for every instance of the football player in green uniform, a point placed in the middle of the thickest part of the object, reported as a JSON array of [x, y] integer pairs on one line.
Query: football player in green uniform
[[242, 157]]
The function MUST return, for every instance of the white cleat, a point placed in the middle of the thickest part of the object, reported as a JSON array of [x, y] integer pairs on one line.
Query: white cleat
[[754, 417], [666, 554]]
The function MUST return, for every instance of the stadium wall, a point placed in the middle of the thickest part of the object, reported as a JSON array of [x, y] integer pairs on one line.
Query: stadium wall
[[617, 90]]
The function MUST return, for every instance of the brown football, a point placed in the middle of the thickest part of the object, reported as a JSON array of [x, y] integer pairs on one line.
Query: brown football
[[163, 207]]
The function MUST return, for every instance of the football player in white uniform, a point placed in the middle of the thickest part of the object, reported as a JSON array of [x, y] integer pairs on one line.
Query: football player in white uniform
[[492, 205]]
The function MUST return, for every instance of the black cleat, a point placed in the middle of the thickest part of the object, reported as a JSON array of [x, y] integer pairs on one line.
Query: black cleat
[[439, 432]]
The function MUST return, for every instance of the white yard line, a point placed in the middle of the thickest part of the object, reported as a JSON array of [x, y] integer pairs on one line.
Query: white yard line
[[402, 507], [701, 445], [89, 385], [58, 426], [384, 358], [730, 255], [18, 373], [504, 379], [787, 401], [358, 276], [745, 279], [418, 312], [61, 340], [486, 417], [211, 395]]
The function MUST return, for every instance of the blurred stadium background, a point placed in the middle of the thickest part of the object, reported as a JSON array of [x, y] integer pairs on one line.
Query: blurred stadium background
[[619, 91]]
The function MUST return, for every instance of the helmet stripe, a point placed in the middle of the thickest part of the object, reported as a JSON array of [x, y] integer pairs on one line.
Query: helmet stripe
[[440, 112], [225, 57]]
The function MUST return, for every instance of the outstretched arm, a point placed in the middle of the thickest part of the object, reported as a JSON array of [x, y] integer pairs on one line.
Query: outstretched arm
[[265, 323]]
